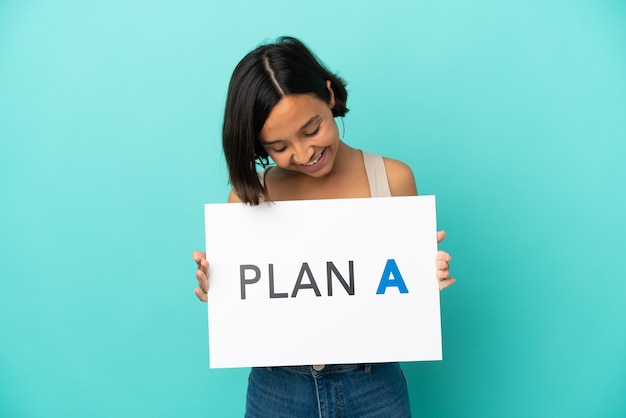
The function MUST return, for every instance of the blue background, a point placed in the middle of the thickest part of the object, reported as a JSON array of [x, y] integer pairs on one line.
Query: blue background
[[512, 113]]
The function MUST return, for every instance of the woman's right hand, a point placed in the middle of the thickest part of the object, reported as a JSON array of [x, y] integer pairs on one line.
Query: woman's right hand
[[202, 275]]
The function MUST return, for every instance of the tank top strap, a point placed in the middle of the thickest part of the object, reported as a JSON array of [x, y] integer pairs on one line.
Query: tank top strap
[[376, 175], [261, 175]]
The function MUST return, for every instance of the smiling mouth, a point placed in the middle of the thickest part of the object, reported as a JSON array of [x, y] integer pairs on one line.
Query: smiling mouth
[[316, 160]]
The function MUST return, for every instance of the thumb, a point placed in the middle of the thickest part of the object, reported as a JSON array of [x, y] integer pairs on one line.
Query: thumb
[[440, 235]]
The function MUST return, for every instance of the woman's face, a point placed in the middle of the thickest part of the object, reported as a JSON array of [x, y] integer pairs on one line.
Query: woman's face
[[300, 134]]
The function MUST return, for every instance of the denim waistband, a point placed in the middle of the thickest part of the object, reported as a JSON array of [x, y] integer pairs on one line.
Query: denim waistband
[[326, 369]]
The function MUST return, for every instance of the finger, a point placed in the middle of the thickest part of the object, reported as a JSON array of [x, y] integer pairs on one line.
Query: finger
[[441, 235], [201, 275], [443, 274], [445, 283], [200, 294], [442, 255], [198, 257], [203, 281], [442, 265], [204, 267], [203, 286]]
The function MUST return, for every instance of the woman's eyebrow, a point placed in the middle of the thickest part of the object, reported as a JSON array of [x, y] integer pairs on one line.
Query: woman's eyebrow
[[265, 143], [309, 122]]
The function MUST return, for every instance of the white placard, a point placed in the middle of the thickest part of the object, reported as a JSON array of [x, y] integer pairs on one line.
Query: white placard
[[323, 282]]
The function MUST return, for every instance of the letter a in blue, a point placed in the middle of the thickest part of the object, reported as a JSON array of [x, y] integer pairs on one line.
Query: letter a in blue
[[391, 268]]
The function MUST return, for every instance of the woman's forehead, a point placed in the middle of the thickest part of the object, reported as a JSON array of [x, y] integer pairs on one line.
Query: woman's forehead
[[293, 112]]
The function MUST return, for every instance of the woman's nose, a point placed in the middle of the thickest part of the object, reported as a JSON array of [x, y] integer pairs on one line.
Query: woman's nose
[[303, 154]]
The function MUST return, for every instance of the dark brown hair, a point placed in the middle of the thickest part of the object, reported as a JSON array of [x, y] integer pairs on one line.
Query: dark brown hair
[[259, 81]]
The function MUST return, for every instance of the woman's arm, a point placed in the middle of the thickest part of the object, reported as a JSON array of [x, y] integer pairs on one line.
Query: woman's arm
[[202, 273], [402, 183], [400, 178]]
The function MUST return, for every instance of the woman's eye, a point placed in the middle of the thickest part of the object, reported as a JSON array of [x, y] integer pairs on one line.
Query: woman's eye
[[314, 132], [280, 149]]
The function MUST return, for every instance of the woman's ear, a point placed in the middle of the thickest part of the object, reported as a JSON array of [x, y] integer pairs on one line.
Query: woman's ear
[[331, 94]]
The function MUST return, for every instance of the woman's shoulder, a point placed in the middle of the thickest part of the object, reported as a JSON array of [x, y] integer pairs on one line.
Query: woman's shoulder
[[400, 178], [233, 197]]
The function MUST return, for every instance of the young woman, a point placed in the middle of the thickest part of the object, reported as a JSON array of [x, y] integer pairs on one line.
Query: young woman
[[282, 104]]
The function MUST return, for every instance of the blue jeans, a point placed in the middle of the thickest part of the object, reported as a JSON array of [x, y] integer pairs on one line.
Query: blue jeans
[[341, 390]]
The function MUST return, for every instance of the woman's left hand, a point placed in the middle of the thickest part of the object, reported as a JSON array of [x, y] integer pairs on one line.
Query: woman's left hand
[[443, 265]]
